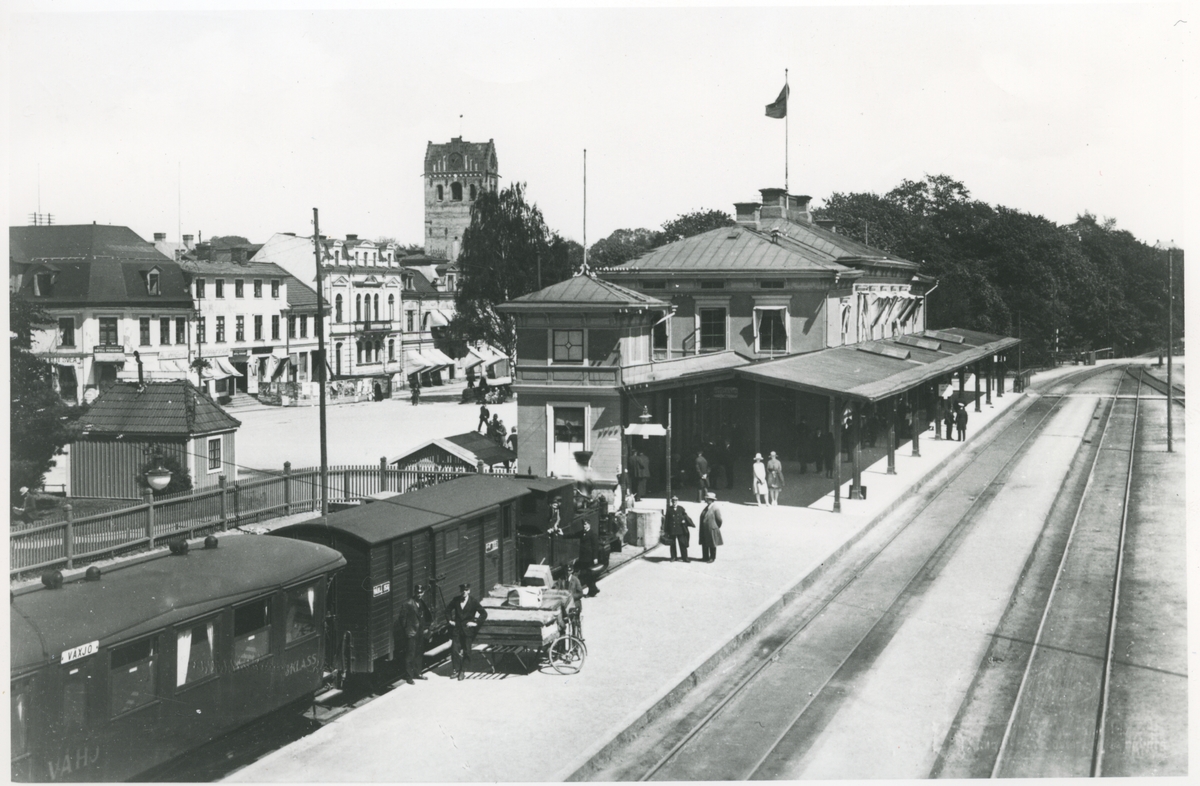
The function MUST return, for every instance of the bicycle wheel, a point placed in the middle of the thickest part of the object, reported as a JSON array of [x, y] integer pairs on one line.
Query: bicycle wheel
[[567, 654]]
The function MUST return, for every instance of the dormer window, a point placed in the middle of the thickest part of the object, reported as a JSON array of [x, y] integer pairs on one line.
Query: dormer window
[[43, 284], [152, 284]]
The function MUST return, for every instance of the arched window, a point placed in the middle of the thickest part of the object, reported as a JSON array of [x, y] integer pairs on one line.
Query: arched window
[[337, 356], [377, 308], [358, 308], [473, 192], [391, 307], [337, 308], [456, 192], [441, 195]]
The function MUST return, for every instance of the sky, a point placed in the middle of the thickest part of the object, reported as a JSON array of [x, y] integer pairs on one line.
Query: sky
[[204, 120]]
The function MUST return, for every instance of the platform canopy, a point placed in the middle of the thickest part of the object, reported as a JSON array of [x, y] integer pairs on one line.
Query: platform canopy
[[875, 370]]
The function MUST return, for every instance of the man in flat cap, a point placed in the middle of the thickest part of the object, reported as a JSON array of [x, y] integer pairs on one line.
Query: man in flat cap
[[465, 615]]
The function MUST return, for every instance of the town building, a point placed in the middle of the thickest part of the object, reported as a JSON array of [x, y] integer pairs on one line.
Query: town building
[[748, 338], [111, 295], [130, 424], [429, 285], [241, 309], [456, 173]]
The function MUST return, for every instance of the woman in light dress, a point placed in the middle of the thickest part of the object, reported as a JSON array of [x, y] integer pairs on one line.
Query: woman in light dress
[[774, 477], [760, 480]]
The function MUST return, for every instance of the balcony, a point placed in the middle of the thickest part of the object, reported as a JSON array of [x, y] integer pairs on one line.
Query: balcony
[[372, 325], [568, 376], [109, 353]]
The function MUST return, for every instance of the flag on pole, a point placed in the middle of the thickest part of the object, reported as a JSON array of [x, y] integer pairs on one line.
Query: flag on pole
[[778, 109]]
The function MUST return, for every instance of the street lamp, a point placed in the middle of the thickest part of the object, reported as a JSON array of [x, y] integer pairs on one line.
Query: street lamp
[[1171, 248], [158, 477]]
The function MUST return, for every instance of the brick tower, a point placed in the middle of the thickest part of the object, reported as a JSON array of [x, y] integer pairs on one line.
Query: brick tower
[[456, 173]]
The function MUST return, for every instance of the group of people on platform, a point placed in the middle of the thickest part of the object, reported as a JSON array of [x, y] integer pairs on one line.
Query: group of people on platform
[[677, 522], [464, 615]]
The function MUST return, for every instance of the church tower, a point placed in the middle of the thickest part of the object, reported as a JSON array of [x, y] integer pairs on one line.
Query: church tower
[[456, 173]]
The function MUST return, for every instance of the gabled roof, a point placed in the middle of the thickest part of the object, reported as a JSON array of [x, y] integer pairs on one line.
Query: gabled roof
[[93, 263], [472, 447], [172, 407], [584, 290], [733, 249]]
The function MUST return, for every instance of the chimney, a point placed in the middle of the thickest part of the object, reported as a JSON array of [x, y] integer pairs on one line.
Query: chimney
[[772, 202], [747, 214], [187, 241], [798, 209], [160, 237], [141, 379], [352, 237]]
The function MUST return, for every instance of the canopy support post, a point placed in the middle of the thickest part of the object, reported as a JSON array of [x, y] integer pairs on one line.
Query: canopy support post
[[916, 437], [855, 454], [978, 402], [835, 425], [891, 436], [991, 367]]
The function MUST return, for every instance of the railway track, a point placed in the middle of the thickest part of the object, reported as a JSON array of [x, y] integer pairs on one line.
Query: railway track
[[800, 677]]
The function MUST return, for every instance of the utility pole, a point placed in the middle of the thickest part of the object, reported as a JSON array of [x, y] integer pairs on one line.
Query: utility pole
[[668, 453], [323, 363], [585, 209], [1170, 340]]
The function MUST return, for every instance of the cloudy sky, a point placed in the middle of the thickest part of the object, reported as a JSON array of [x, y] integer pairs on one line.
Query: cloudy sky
[[215, 121]]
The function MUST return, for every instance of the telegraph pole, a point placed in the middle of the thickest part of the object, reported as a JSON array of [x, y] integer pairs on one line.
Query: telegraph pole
[[1170, 340], [323, 363]]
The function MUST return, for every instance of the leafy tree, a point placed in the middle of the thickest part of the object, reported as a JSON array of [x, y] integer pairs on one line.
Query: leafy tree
[[40, 423], [507, 251], [228, 241], [693, 223], [621, 246]]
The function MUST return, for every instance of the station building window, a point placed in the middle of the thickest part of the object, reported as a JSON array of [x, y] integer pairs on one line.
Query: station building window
[[770, 330], [712, 329]]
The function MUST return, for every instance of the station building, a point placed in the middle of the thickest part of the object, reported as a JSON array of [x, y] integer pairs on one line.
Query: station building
[[760, 336]]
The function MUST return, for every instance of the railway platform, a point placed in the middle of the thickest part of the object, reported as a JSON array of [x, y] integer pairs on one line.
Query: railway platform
[[656, 629]]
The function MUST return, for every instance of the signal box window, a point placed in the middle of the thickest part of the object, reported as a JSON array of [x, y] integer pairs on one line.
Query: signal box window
[[568, 346], [133, 676], [712, 329], [194, 653], [251, 632], [301, 613]]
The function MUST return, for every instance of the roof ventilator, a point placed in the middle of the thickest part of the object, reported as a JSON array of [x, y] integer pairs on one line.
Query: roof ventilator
[[887, 352]]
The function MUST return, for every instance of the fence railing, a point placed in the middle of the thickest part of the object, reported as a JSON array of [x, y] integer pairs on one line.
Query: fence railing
[[70, 541]]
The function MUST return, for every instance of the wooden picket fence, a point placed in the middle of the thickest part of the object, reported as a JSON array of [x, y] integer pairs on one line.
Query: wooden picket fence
[[70, 542]]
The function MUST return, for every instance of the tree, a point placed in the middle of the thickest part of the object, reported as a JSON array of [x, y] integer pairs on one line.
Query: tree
[[621, 246], [228, 241], [40, 423], [693, 223], [507, 251]]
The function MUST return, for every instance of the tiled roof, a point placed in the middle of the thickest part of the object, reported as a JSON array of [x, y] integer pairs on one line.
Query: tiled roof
[[171, 407], [734, 248], [300, 296], [585, 289], [476, 157], [94, 263]]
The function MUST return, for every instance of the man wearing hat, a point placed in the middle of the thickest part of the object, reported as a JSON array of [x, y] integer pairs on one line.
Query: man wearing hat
[[710, 528], [413, 625], [465, 616], [589, 558], [676, 524]]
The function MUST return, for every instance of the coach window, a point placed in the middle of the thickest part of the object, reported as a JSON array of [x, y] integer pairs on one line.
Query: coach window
[[251, 632], [301, 612], [194, 653], [20, 717], [133, 676]]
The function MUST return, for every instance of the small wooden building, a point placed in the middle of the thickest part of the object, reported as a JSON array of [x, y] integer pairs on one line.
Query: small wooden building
[[461, 451], [129, 423]]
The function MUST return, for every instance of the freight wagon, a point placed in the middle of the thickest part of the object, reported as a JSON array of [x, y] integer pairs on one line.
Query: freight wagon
[[121, 668], [479, 529]]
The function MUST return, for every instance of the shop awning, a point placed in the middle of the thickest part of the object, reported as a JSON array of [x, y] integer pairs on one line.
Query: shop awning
[[437, 318], [875, 370], [218, 368], [438, 356]]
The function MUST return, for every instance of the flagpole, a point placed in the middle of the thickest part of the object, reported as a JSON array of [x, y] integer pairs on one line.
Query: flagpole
[[785, 134]]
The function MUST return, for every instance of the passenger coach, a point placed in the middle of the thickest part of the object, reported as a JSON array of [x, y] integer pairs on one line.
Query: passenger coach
[[127, 666]]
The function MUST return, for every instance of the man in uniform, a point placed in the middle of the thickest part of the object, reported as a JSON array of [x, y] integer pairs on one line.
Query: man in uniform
[[960, 422], [677, 523], [413, 624], [588, 559], [710, 528], [465, 616]]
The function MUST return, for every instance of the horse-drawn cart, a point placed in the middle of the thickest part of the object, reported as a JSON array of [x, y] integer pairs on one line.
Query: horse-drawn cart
[[532, 624]]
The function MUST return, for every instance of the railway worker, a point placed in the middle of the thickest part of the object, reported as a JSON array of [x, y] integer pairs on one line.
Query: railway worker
[[465, 615], [949, 421], [760, 480], [677, 524], [710, 528], [555, 517], [484, 414], [960, 422], [701, 475], [774, 478], [588, 559], [414, 623]]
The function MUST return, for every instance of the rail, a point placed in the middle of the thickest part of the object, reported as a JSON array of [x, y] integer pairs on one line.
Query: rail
[[69, 541]]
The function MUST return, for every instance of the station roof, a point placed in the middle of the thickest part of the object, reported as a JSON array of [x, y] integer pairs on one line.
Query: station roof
[[735, 248], [665, 373], [147, 595], [584, 290], [433, 506], [875, 370]]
